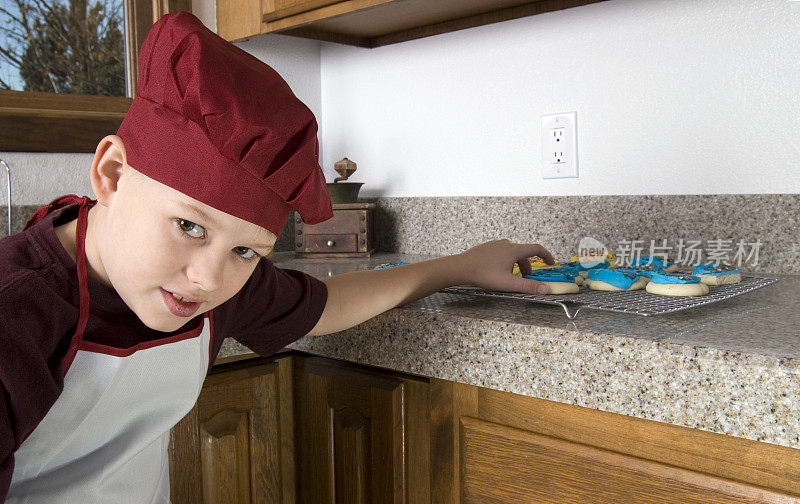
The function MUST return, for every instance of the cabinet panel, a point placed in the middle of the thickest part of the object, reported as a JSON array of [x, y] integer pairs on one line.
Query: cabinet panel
[[237, 444], [501, 464], [277, 9], [490, 446], [355, 443], [238, 19]]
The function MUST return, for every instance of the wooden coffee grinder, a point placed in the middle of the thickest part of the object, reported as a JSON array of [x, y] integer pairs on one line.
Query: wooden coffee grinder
[[349, 233]]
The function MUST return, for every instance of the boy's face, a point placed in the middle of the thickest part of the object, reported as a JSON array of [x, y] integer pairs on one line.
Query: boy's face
[[150, 244]]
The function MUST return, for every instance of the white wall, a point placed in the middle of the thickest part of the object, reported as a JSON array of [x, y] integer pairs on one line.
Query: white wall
[[672, 96]]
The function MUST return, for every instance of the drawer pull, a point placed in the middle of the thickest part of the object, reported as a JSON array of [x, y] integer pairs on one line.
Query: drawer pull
[[330, 243]]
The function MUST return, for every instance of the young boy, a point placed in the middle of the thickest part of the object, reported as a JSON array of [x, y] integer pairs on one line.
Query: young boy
[[103, 304]]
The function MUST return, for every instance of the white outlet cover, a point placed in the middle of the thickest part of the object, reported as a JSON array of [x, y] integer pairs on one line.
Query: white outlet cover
[[560, 158]]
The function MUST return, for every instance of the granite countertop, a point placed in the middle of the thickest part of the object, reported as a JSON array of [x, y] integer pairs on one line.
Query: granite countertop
[[731, 367]]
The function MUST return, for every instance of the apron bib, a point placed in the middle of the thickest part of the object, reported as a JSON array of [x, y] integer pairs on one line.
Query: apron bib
[[105, 438]]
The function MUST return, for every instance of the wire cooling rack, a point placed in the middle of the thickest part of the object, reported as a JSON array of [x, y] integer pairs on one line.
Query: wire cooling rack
[[639, 302]]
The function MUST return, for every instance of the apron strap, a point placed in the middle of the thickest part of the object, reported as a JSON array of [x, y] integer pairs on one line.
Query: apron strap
[[83, 317], [69, 199], [80, 252]]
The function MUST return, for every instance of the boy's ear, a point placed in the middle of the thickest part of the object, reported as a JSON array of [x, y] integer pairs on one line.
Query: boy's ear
[[108, 165]]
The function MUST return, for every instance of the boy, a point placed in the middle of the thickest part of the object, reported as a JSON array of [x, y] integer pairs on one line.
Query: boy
[[103, 304]]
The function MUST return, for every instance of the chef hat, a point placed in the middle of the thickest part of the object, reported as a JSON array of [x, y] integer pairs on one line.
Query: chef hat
[[222, 127]]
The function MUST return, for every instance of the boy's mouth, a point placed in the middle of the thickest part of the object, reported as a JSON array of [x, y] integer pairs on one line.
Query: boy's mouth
[[184, 299], [178, 305]]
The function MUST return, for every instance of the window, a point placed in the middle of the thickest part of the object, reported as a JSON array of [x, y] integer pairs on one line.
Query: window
[[69, 121]]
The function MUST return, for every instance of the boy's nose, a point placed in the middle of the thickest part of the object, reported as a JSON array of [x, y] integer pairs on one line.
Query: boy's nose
[[206, 270]]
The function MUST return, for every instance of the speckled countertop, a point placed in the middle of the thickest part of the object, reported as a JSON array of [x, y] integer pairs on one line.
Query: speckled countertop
[[731, 367]]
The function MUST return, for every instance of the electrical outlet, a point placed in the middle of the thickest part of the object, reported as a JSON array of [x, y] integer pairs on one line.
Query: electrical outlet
[[559, 145]]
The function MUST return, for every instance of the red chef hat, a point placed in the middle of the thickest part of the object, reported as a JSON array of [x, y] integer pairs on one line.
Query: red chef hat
[[222, 127]]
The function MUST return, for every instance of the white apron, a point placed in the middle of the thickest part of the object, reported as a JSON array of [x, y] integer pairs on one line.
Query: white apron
[[105, 439]]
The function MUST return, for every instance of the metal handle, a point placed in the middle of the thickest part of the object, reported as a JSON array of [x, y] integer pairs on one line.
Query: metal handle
[[330, 243], [8, 193]]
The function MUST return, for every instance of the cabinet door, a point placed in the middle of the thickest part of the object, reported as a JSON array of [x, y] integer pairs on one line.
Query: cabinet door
[[498, 447], [362, 434], [237, 444], [277, 9]]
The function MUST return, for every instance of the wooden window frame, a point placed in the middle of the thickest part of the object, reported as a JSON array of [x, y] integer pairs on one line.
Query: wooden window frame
[[51, 122]]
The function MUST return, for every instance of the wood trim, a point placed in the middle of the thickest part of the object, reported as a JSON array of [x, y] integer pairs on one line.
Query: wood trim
[[46, 122]]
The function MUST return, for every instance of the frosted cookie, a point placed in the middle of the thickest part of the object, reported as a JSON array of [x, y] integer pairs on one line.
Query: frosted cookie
[[672, 284], [646, 270], [595, 261], [557, 283], [583, 268], [572, 271], [390, 265], [711, 274], [615, 280], [669, 265], [536, 263]]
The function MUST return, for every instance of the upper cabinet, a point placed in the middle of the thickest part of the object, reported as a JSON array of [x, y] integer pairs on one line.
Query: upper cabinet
[[371, 23]]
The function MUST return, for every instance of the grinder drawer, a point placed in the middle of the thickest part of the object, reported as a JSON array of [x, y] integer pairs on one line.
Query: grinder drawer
[[330, 243]]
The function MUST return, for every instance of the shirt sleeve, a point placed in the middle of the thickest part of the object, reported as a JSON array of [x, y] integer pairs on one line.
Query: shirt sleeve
[[274, 308], [32, 345]]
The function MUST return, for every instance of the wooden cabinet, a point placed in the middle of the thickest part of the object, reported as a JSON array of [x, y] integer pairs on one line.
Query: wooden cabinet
[[237, 444], [497, 447], [306, 429], [362, 434], [371, 23]]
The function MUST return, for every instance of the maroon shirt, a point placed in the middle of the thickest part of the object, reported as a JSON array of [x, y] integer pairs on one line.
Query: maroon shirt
[[39, 301]]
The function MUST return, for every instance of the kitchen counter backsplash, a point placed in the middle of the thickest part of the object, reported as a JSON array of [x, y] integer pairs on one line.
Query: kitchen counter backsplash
[[757, 232], [766, 225]]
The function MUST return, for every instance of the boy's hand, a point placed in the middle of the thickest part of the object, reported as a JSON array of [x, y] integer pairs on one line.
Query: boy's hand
[[489, 266]]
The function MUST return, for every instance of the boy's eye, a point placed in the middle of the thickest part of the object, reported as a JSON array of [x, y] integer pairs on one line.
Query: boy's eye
[[245, 252], [190, 228]]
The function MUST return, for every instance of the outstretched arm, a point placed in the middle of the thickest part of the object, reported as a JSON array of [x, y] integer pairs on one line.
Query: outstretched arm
[[359, 296]]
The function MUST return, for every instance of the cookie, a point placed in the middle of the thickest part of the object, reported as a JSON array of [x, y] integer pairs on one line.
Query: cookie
[[595, 261], [646, 270], [568, 270], [582, 268], [711, 274], [557, 283], [667, 265], [615, 280], [536, 263], [674, 284]]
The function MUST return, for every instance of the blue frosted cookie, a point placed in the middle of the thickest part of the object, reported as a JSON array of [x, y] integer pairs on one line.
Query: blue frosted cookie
[[645, 270], [669, 265], [615, 280], [558, 282], [676, 284], [390, 265], [711, 274]]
